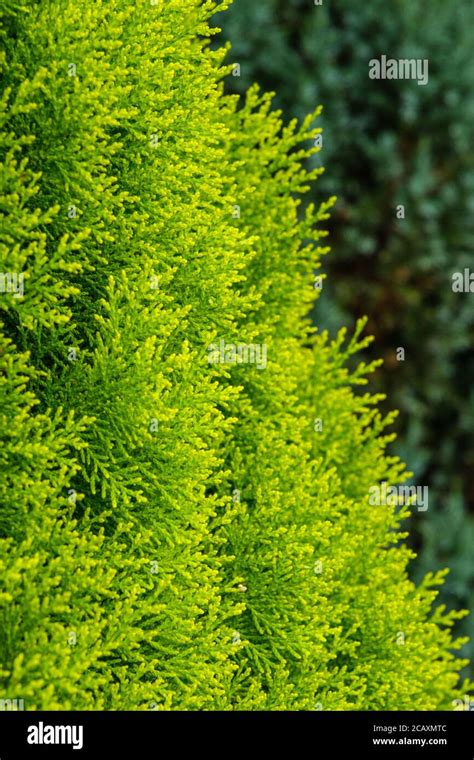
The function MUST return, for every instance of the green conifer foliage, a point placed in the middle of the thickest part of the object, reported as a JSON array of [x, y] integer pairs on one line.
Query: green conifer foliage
[[175, 533], [399, 158]]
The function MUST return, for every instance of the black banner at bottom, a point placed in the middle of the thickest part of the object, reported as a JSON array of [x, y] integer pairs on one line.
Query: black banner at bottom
[[132, 734]]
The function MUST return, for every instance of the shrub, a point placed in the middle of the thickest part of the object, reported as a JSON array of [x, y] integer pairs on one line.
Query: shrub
[[177, 532], [385, 144]]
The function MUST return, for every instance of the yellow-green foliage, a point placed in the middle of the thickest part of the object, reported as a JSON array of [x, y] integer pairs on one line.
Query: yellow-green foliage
[[176, 533]]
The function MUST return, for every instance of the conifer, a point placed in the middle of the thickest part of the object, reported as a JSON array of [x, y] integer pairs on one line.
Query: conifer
[[176, 533]]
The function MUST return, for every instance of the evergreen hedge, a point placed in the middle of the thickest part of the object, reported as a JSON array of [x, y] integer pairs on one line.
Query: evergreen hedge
[[386, 144], [181, 529]]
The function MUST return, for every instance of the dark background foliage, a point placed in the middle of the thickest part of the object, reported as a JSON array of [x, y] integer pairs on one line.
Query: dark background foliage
[[387, 143]]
